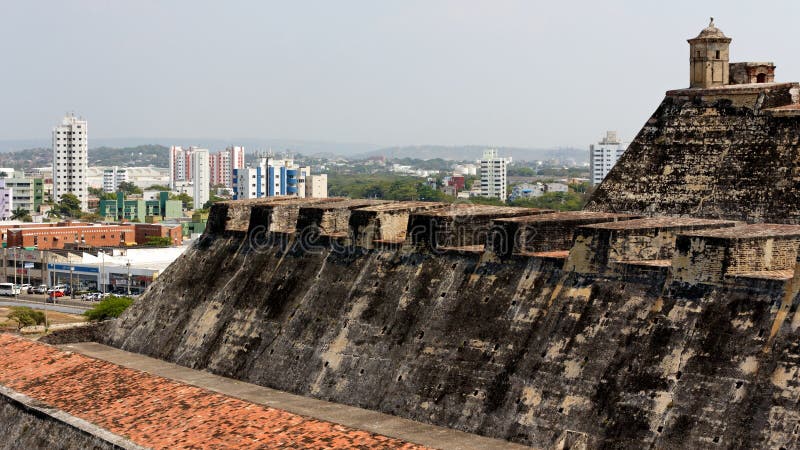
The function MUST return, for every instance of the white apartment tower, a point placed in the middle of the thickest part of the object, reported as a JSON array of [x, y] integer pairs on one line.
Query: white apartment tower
[[493, 170], [180, 165], [603, 156], [112, 177], [201, 176], [70, 153]]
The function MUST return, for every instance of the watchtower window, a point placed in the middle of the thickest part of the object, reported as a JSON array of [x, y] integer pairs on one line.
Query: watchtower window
[[761, 78], [717, 54]]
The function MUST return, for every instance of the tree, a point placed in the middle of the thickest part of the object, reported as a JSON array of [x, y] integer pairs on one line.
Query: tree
[[158, 187], [129, 188], [110, 307], [183, 197], [97, 192], [19, 213], [69, 205], [25, 316], [3, 174]]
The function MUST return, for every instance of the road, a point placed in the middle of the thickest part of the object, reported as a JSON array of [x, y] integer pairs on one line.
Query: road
[[38, 301]]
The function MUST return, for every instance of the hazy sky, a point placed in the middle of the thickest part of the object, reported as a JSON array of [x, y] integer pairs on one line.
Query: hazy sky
[[506, 73]]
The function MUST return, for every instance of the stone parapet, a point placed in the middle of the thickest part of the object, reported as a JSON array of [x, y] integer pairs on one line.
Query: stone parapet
[[598, 245]]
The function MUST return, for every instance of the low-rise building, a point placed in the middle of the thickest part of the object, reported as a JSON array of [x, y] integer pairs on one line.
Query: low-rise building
[[145, 231], [72, 236], [27, 193], [137, 210]]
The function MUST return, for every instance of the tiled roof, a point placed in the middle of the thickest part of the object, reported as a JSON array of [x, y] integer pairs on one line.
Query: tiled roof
[[160, 413]]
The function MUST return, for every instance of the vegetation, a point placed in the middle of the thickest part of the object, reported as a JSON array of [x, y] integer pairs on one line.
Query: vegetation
[[185, 198], [21, 214], [158, 187], [68, 206], [129, 188], [25, 316], [159, 241], [385, 187], [560, 201], [110, 307]]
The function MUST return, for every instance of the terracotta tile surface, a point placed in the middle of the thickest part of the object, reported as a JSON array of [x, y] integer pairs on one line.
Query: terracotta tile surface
[[160, 413]]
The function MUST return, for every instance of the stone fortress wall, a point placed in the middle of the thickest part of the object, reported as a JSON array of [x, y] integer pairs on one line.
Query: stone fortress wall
[[660, 331]]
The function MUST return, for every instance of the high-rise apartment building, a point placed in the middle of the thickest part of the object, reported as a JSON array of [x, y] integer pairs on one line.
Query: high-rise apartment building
[[112, 177], [201, 176], [493, 170], [223, 163], [70, 153], [180, 165], [603, 156]]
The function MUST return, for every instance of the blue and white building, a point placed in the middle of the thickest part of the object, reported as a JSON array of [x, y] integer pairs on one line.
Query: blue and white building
[[271, 177]]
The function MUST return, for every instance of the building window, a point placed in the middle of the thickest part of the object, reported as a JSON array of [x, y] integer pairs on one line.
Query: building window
[[717, 54]]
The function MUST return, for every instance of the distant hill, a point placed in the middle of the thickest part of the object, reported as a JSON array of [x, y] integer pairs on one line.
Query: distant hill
[[142, 155], [471, 152]]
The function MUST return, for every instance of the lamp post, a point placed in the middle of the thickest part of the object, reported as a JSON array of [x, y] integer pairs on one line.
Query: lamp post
[[103, 274], [128, 265], [71, 287]]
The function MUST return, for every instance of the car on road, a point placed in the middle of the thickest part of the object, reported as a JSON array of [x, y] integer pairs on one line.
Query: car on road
[[41, 289], [8, 289]]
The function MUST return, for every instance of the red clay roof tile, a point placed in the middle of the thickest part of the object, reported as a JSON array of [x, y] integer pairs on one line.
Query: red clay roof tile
[[160, 413]]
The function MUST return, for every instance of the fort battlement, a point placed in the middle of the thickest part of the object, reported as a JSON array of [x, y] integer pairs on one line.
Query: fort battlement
[[681, 249]]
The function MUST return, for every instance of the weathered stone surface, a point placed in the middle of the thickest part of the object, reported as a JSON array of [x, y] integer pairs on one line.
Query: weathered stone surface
[[600, 245], [460, 224], [720, 153], [386, 223], [25, 426], [544, 232], [519, 349]]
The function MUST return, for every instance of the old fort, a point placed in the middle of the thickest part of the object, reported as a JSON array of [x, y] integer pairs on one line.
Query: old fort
[[663, 315]]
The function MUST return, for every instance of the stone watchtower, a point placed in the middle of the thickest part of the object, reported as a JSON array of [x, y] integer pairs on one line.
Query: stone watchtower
[[709, 58]]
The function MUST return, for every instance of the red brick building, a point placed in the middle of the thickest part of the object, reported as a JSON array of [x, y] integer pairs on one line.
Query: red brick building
[[146, 230], [58, 237]]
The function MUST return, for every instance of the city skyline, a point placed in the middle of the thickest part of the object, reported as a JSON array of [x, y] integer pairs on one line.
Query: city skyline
[[505, 74]]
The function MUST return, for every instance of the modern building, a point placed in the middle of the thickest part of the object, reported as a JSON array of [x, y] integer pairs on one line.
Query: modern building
[[603, 156], [223, 163], [493, 170], [285, 177], [249, 182], [275, 177], [107, 270], [201, 177], [138, 210], [317, 186], [6, 201], [70, 153], [112, 177], [180, 165], [27, 193]]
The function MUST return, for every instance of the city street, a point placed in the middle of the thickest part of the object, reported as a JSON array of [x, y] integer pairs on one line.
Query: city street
[[64, 304]]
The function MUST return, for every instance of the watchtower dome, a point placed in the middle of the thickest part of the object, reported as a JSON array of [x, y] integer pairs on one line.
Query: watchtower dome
[[709, 58]]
